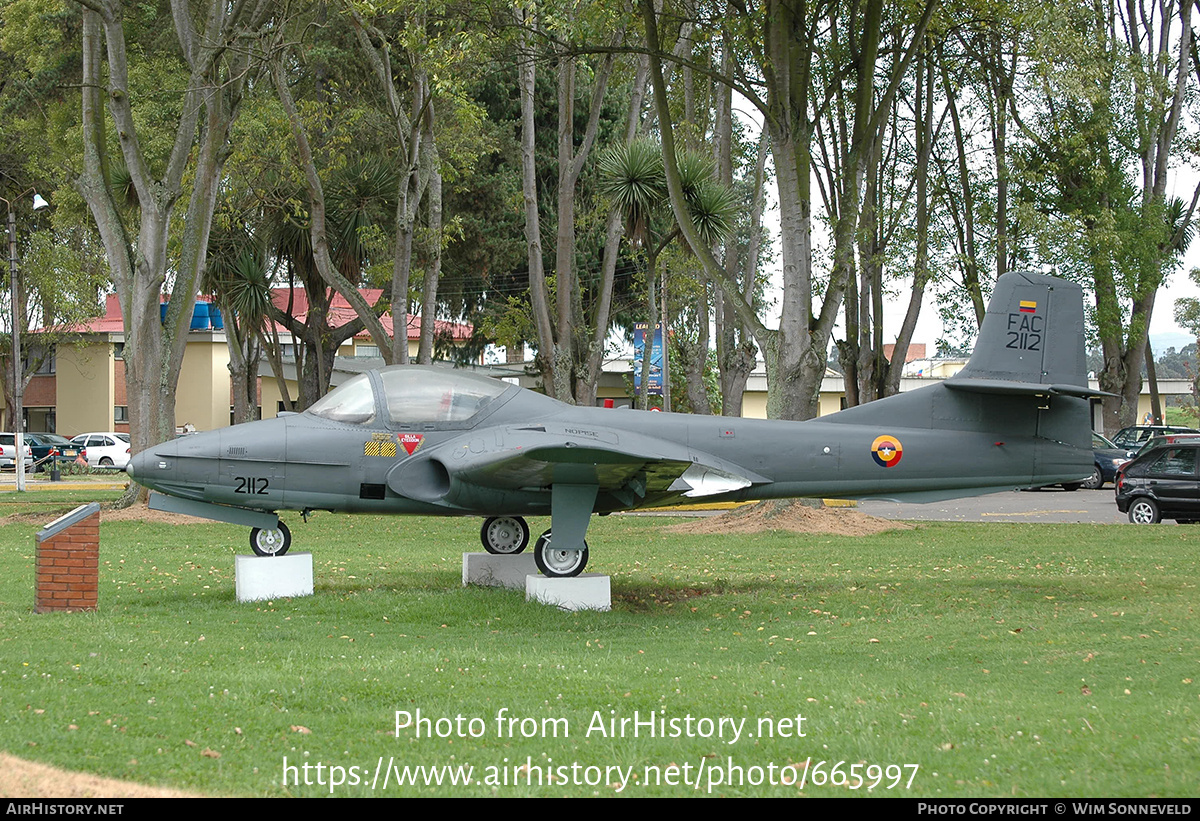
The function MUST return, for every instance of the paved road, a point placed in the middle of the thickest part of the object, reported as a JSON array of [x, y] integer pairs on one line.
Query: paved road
[[1051, 505]]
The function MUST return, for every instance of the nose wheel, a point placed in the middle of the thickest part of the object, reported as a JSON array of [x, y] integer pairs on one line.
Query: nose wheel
[[270, 542], [504, 535], [558, 563]]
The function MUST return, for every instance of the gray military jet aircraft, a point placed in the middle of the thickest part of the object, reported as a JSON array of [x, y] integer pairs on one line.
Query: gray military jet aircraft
[[431, 441]]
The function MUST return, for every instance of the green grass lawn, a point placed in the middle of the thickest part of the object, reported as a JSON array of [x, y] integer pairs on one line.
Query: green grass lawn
[[1000, 659], [1181, 416]]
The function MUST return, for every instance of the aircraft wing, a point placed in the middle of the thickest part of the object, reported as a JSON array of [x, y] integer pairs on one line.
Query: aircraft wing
[[630, 465]]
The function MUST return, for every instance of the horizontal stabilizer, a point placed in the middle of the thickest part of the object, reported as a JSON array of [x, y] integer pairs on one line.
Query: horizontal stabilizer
[[1010, 387]]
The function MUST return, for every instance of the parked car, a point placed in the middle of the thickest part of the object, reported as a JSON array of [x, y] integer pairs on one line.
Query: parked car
[[1161, 483], [106, 450], [8, 451], [50, 448], [1135, 436], [1108, 458]]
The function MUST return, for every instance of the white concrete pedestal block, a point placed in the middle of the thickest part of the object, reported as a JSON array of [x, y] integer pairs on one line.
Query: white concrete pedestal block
[[587, 591], [273, 577], [490, 570]]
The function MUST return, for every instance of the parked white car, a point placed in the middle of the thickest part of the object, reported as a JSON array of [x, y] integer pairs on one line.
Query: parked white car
[[105, 450], [8, 451]]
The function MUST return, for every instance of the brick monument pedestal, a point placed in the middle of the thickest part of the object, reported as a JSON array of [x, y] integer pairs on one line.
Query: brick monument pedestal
[[68, 561]]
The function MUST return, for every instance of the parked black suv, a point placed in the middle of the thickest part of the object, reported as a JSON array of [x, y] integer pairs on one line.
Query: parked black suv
[[1161, 483]]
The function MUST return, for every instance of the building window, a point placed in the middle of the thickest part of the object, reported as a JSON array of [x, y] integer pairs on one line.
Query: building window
[[366, 350], [257, 414], [39, 361], [46, 368], [118, 350], [121, 414]]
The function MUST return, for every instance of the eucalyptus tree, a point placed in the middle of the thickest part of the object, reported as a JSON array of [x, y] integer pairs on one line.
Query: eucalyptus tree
[[61, 275], [174, 145], [423, 57], [319, 242], [736, 353], [1098, 158], [875, 171], [360, 199], [60, 262], [776, 43], [979, 65], [570, 343]]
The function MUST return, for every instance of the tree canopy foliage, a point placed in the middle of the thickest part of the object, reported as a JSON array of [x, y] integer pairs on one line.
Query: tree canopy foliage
[[461, 156]]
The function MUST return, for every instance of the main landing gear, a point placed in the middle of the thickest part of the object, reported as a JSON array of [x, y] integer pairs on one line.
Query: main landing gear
[[558, 563], [504, 535], [509, 535]]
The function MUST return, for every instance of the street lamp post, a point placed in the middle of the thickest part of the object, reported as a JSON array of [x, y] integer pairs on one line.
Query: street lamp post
[[18, 412]]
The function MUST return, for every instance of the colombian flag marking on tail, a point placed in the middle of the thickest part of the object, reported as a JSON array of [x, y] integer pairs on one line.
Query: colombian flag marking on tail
[[886, 451], [1028, 306]]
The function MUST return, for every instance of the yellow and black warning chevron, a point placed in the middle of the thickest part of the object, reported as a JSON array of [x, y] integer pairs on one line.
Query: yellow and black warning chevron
[[376, 448]]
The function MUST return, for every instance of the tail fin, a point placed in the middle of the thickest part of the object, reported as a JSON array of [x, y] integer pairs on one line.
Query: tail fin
[[1031, 340]]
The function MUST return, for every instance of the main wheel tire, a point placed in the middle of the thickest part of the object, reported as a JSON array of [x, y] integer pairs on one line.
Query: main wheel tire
[[1095, 481], [1144, 512], [504, 535], [266, 542], [558, 564]]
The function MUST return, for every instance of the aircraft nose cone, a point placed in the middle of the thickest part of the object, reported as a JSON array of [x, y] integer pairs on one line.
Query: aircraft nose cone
[[142, 464], [137, 464]]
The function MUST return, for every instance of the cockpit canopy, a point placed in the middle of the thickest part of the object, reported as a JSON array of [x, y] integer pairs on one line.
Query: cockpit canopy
[[411, 395]]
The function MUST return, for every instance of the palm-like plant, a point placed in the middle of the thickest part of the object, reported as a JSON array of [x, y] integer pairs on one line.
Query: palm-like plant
[[237, 277], [632, 176], [361, 198]]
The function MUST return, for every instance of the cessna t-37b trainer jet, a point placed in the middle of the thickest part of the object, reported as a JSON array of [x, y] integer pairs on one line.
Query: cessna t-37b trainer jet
[[434, 441]]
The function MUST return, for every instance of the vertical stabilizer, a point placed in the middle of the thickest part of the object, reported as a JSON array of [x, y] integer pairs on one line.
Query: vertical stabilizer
[[1033, 333]]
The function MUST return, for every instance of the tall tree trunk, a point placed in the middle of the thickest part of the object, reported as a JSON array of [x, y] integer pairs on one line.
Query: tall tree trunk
[[140, 265], [527, 72], [433, 270], [1155, 402]]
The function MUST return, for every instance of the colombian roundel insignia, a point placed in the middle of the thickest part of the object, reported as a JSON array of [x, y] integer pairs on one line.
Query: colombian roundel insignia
[[886, 451]]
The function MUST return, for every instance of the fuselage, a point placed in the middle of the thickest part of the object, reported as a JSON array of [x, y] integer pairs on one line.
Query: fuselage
[[305, 461]]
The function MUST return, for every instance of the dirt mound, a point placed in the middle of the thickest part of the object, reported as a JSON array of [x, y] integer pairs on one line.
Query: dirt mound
[[133, 513], [139, 512], [791, 515], [25, 779]]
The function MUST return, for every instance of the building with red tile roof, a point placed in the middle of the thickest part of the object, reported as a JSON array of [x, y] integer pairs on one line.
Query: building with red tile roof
[[82, 386]]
